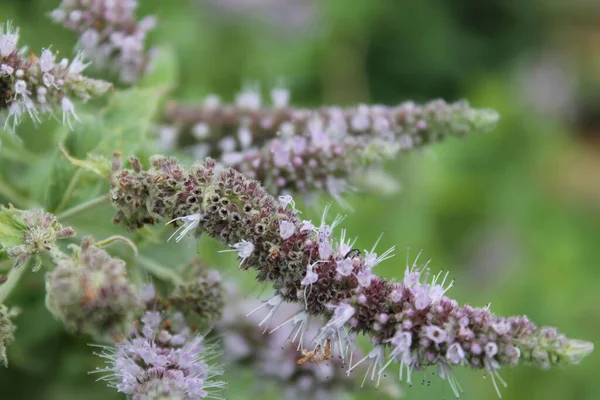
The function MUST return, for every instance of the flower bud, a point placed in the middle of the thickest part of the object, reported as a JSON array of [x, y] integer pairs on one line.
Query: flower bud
[[90, 293], [27, 233], [200, 296]]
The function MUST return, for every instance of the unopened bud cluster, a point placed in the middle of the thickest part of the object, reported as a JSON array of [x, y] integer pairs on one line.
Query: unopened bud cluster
[[40, 85], [306, 150], [164, 360], [109, 34], [90, 292], [29, 233], [200, 294], [7, 331], [412, 320]]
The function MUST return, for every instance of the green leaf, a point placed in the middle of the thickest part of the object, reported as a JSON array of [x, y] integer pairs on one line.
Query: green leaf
[[121, 127], [127, 120], [11, 227], [64, 176], [163, 70]]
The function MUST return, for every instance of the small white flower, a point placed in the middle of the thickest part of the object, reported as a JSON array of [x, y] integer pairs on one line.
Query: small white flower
[[435, 334], [502, 327], [491, 349], [364, 277], [285, 200], [360, 120], [280, 97], [212, 101], [325, 250], [396, 295], [77, 65], [344, 267], [201, 131], [48, 79], [6, 69], [245, 136], [421, 297], [227, 144], [89, 39], [244, 249], [401, 341], [248, 98], [311, 276], [455, 354], [75, 16], [307, 226], [68, 110], [286, 229], [47, 60], [21, 88], [190, 222], [8, 40]]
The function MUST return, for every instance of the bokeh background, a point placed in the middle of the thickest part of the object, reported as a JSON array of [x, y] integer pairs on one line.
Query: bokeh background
[[514, 215]]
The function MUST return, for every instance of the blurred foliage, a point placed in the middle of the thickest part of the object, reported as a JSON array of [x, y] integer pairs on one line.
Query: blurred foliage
[[499, 211]]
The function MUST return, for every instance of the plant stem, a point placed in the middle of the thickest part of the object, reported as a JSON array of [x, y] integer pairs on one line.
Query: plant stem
[[13, 277], [158, 270], [82, 207], [69, 190]]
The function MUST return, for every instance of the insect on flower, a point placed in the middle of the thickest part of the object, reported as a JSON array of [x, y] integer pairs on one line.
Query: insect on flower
[[352, 253], [315, 355]]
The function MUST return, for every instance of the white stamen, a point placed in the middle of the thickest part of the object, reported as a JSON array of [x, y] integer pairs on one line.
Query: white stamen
[[189, 222]]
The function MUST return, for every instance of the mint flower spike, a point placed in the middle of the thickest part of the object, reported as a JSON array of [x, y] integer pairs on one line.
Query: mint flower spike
[[305, 150], [163, 361], [41, 85], [109, 34], [90, 292], [412, 323]]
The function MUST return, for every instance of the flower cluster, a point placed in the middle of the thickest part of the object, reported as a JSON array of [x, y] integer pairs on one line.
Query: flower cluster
[[413, 320], [109, 34], [199, 296], [275, 358], [90, 292], [40, 85], [28, 233], [163, 360], [306, 150], [7, 331]]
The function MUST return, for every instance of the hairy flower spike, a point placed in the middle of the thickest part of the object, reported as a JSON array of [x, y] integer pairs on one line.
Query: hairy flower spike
[[29, 233], [164, 361], [442, 333], [36, 86], [90, 293], [7, 330], [308, 150], [109, 34]]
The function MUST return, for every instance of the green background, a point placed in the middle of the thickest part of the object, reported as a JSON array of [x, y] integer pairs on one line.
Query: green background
[[514, 215]]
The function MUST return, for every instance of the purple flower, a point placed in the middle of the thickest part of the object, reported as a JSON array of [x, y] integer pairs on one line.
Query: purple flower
[[238, 209], [109, 34], [40, 86], [150, 366], [315, 150]]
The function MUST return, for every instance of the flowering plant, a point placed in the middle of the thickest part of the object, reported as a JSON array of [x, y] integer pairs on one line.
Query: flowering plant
[[165, 331]]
